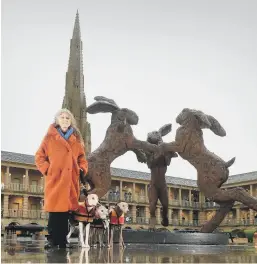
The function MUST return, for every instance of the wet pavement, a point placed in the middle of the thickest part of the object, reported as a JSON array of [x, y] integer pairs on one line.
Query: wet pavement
[[32, 251]]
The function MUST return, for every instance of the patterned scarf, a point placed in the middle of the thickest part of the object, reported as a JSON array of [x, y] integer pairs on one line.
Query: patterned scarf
[[67, 134]]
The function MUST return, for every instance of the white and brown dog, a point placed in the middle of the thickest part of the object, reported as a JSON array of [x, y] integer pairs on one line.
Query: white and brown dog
[[100, 227], [117, 220], [82, 218]]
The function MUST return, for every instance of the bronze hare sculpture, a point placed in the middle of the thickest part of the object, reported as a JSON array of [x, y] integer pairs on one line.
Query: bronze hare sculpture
[[158, 166], [212, 171], [118, 140]]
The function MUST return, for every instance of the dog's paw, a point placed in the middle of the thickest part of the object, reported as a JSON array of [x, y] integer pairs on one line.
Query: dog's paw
[[85, 246]]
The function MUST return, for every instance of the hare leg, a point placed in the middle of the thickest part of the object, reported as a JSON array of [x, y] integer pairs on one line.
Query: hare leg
[[163, 196], [238, 194], [153, 198], [220, 214]]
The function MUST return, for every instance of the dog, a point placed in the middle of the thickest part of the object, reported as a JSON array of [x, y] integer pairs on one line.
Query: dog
[[212, 171], [117, 220], [100, 228], [82, 218]]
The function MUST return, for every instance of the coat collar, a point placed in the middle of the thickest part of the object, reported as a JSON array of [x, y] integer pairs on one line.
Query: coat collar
[[52, 131]]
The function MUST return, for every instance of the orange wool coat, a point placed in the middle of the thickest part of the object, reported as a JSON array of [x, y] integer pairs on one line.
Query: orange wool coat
[[60, 161]]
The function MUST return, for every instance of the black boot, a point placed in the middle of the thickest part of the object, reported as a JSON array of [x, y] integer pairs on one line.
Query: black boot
[[165, 221], [50, 245]]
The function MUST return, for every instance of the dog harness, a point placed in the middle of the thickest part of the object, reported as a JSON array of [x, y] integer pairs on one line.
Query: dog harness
[[115, 219], [82, 214]]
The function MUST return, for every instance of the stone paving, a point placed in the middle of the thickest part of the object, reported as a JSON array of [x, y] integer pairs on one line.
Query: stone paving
[[32, 251]]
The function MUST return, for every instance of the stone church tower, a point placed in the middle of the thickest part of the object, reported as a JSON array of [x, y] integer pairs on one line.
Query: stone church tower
[[74, 98]]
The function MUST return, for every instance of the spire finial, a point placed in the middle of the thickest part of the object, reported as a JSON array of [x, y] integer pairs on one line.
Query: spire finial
[[76, 30]]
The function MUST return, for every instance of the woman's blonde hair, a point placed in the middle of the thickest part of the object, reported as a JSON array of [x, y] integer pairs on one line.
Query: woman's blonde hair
[[73, 123]]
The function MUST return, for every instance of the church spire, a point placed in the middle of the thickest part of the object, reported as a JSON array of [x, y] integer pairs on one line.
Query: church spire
[[76, 30], [74, 98]]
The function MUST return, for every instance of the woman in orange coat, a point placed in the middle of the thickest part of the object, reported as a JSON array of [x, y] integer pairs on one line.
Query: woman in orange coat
[[60, 158]]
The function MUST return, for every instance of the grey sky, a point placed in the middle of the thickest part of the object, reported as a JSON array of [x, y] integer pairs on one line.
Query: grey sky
[[154, 57]]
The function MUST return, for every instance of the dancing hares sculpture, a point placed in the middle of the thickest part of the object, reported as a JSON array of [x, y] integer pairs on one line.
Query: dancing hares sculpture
[[212, 171], [158, 166], [118, 140]]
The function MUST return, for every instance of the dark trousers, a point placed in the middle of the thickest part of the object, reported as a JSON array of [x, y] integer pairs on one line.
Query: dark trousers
[[58, 228]]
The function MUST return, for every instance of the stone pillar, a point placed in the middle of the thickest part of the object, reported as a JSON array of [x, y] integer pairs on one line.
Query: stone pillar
[[25, 206], [180, 196], [26, 180], [202, 217], [191, 217], [251, 216], [170, 215], [168, 194], [134, 192], [121, 197], [190, 197], [146, 194], [6, 206], [158, 215], [42, 215], [147, 214], [41, 184], [238, 216], [134, 213], [7, 177], [201, 198], [251, 190], [180, 216]]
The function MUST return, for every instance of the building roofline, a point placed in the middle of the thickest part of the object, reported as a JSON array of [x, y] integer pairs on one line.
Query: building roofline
[[14, 157]]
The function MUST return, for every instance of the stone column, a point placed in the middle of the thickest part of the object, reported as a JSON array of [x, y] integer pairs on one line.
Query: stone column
[[158, 215], [168, 195], [134, 192], [251, 190], [251, 216], [41, 184], [7, 177], [190, 197], [238, 216], [146, 194], [6, 206], [191, 217], [25, 206], [147, 214], [202, 217], [134, 213], [180, 196], [170, 215], [121, 197], [26, 180], [180, 216], [43, 215]]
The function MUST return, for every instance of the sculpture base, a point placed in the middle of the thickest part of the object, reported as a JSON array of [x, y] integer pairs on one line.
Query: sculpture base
[[166, 237]]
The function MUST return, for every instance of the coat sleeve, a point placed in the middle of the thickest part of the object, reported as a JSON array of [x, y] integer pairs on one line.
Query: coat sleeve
[[82, 162], [41, 158]]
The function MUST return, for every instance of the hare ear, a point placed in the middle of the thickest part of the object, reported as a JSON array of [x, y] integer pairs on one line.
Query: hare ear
[[105, 99], [216, 127], [101, 107], [203, 119], [164, 130]]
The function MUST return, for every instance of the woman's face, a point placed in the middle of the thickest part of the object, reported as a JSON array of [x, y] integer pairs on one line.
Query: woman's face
[[64, 121]]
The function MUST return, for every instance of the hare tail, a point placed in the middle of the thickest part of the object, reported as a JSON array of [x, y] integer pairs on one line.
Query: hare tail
[[230, 162]]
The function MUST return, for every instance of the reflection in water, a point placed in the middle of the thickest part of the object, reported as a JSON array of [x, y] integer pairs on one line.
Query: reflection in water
[[33, 252]]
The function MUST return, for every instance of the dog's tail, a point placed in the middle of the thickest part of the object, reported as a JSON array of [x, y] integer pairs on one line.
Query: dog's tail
[[230, 162]]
